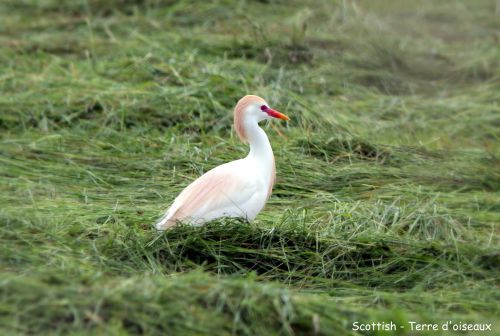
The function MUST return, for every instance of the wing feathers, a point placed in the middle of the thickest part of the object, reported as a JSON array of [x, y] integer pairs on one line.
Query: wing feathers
[[220, 191]]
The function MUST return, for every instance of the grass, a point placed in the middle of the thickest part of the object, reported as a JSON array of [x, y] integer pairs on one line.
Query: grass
[[387, 197]]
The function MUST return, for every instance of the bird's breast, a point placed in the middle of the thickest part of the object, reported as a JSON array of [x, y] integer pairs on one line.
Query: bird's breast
[[263, 174]]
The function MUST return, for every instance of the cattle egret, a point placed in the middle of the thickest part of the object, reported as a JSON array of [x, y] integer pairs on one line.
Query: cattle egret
[[235, 189]]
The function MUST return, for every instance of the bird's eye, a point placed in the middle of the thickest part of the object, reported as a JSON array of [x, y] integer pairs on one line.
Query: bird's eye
[[264, 108]]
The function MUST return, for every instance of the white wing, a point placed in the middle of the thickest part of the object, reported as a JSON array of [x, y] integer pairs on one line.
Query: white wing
[[228, 190]]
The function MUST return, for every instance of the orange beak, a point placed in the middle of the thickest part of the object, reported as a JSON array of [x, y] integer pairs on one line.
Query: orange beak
[[275, 114]]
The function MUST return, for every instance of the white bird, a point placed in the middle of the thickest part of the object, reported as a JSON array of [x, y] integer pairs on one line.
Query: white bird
[[239, 188]]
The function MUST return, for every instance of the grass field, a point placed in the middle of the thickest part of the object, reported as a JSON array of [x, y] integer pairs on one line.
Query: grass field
[[387, 201]]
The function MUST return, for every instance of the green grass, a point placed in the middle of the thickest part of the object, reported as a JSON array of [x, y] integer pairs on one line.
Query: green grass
[[386, 206]]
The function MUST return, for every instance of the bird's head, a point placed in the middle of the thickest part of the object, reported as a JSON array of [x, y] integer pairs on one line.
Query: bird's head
[[253, 109]]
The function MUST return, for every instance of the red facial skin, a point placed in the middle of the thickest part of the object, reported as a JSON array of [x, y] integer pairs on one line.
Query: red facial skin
[[273, 113]]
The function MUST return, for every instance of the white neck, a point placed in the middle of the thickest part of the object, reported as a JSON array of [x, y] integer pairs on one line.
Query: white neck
[[260, 148]]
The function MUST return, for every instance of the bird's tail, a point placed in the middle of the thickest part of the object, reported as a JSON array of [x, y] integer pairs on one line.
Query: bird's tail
[[160, 224], [166, 221]]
